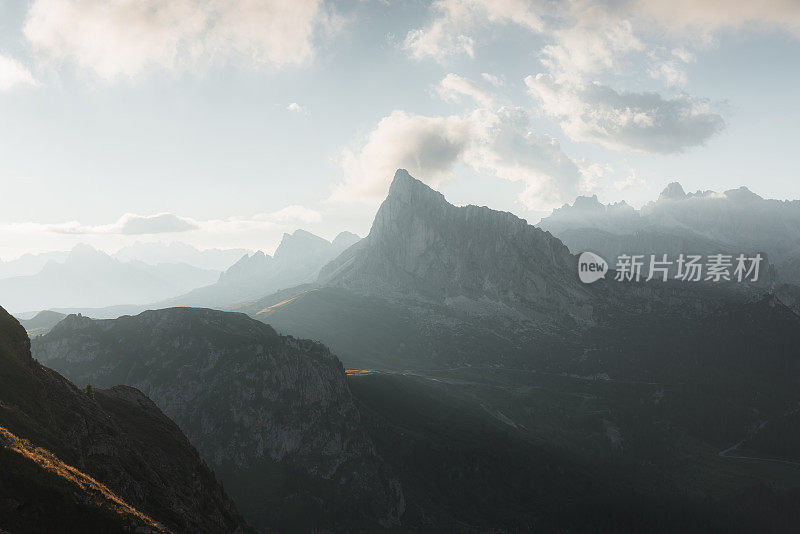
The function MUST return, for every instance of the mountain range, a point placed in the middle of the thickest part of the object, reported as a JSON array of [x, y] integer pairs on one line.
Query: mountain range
[[297, 260], [90, 278], [487, 389], [436, 284], [93, 283], [176, 252], [736, 221]]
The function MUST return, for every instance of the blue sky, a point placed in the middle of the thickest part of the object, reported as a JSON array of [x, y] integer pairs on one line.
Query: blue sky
[[225, 124]]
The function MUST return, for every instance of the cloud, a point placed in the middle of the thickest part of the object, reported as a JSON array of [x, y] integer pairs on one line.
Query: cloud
[[126, 38], [453, 87], [589, 47], [296, 108], [446, 35], [633, 180], [165, 223], [131, 224], [712, 15], [583, 38], [642, 122], [128, 224], [426, 146], [13, 74], [498, 143], [494, 80], [293, 213]]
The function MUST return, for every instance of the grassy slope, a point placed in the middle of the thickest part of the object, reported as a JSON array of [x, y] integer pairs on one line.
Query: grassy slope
[[40, 493]]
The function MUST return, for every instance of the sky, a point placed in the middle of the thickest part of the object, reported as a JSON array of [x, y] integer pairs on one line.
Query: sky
[[223, 123]]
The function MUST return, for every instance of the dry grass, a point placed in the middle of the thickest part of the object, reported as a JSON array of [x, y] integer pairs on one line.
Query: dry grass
[[100, 494]]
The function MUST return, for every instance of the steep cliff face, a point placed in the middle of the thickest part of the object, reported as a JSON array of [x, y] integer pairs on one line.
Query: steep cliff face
[[117, 436], [272, 414], [420, 246]]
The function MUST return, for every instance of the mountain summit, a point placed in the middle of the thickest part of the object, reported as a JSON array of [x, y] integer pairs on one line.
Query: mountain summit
[[424, 247], [434, 283]]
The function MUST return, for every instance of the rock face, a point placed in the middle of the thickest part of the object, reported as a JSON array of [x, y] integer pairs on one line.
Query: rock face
[[297, 260], [117, 436], [420, 246], [273, 415]]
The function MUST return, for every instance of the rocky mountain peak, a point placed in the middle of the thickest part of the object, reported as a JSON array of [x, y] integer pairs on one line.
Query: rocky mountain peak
[[299, 244], [407, 190], [588, 204], [72, 322], [673, 191], [421, 246], [742, 194], [344, 240]]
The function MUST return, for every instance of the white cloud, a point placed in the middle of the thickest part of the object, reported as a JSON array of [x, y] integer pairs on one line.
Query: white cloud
[[128, 224], [708, 16], [293, 213], [498, 143], [165, 223], [426, 146], [586, 37], [589, 47], [453, 87], [296, 108], [447, 33], [670, 72], [125, 38], [492, 79], [13, 74], [592, 174], [642, 122], [259, 231], [154, 224], [633, 180]]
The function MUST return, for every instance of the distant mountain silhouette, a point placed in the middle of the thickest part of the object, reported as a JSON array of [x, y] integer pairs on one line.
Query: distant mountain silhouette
[[177, 252], [42, 322], [735, 221], [29, 264], [91, 278], [297, 260]]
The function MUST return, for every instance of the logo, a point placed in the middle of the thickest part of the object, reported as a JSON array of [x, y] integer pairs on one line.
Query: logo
[[591, 267]]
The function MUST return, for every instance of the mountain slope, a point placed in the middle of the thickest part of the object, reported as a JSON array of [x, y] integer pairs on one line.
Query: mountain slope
[[116, 436], [273, 415], [40, 493]]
